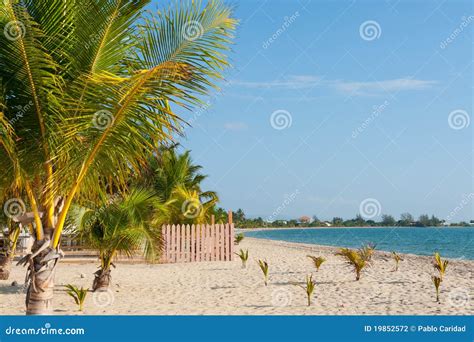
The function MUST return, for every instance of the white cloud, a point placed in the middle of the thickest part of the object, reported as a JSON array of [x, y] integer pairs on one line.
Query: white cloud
[[292, 82], [376, 87], [367, 88]]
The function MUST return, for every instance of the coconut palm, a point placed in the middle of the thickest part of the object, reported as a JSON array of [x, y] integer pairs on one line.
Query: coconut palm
[[126, 225], [168, 170], [84, 101], [187, 207], [10, 229]]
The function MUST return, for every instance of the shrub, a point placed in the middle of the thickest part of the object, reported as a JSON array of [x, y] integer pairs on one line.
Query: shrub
[[440, 265], [79, 295], [264, 267], [397, 259], [317, 261], [244, 256], [355, 259]]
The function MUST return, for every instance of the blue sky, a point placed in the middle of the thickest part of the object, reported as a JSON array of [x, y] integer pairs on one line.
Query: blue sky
[[368, 87]]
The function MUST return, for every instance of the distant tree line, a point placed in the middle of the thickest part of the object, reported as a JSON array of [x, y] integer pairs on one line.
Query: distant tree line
[[405, 220]]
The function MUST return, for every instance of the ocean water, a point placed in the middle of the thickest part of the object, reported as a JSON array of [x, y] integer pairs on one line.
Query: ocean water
[[450, 242]]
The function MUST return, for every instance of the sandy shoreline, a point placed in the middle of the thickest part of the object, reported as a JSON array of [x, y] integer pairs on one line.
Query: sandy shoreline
[[224, 288]]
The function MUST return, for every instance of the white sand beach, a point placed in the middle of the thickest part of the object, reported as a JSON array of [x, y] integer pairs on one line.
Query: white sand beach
[[224, 288]]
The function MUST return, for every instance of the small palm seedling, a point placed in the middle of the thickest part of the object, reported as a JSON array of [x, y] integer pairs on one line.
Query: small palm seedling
[[238, 238], [440, 265], [397, 259], [317, 261], [367, 251], [437, 282], [355, 259], [264, 267], [79, 295], [309, 287], [244, 256]]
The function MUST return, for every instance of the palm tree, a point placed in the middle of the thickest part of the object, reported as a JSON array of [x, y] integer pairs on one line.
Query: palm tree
[[187, 207], [169, 170], [10, 230], [81, 102], [123, 225]]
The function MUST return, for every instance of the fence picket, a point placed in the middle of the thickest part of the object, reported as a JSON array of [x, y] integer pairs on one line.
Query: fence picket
[[201, 242]]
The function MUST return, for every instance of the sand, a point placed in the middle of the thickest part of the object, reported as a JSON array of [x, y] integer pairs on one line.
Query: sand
[[224, 288]]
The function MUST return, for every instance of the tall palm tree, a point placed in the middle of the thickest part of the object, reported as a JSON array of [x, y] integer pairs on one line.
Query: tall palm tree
[[87, 89], [127, 225], [168, 170], [188, 207]]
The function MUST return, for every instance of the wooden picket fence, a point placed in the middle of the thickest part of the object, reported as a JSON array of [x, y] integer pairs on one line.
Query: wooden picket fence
[[202, 242]]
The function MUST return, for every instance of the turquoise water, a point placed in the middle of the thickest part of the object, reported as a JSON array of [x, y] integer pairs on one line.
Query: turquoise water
[[450, 242]]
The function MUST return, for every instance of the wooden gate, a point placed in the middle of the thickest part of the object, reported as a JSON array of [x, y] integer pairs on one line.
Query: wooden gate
[[202, 242]]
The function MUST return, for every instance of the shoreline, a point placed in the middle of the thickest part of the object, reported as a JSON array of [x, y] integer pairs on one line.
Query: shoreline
[[343, 227]]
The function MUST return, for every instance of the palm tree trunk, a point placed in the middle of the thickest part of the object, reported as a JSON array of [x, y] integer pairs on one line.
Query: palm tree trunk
[[42, 262], [5, 266], [102, 280]]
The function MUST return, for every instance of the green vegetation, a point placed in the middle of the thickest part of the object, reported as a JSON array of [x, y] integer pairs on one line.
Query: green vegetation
[[406, 220], [437, 283], [244, 256], [79, 295], [310, 284], [317, 261], [264, 267], [357, 259], [238, 238], [83, 106], [440, 265], [129, 224], [397, 258]]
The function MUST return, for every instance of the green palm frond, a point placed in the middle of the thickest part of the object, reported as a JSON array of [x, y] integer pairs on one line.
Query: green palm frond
[[83, 105]]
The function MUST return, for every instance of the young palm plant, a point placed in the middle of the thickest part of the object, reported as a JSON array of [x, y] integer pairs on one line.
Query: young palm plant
[[317, 261], [128, 225], [309, 287], [397, 258], [244, 256], [440, 265], [354, 258], [78, 294], [80, 103], [263, 264], [437, 283], [238, 238]]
